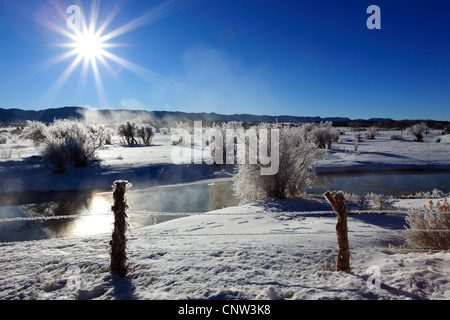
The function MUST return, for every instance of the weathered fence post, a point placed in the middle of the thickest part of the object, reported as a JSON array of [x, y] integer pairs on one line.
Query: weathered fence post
[[119, 260], [336, 200]]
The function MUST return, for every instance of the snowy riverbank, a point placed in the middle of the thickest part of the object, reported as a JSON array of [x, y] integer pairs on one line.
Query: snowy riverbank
[[246, 252], [384, 153], [148, 166]]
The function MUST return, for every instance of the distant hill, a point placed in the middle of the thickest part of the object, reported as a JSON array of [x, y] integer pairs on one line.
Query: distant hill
[[113, 115], [47, 115]]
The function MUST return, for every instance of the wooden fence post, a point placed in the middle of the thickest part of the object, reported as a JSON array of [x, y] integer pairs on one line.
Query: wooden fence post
[[336, 200], [119, 260]]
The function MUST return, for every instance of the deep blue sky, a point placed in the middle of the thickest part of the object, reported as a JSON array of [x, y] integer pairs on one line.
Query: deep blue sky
[[305, 58]]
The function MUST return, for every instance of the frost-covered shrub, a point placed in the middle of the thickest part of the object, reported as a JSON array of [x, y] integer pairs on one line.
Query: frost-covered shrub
[[181, 131], [435, 193], [324, 135], [66, 141], [164, 130], [17, 131], [176, 139], [3, 138], [295, 173], [363, 202], [13, 138], [306, 129], [181, 126], [73, 141], [355, 145], [54, 153], [108, 135], [429, 230], [383, 202], [371, 133], [97, 135], [6, 153], [417, 131], [35, 131]]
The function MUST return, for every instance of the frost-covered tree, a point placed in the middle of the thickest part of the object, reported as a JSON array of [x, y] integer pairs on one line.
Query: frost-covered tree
[[417, 131], [294, 175], [128, 131], [146, 133]]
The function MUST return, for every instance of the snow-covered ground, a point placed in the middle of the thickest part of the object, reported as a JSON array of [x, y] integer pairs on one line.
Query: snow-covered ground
[[144, 166], [244, 252], [384, 153]]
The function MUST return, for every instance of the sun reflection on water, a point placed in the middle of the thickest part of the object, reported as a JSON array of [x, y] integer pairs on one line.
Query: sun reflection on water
[[97, 218]]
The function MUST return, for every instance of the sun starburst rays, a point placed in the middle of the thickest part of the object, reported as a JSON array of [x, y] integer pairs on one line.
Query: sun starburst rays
[[91, 45], [88, 47]]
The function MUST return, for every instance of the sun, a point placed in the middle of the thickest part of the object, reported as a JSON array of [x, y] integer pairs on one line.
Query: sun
[[91, 48], [88, 45]]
